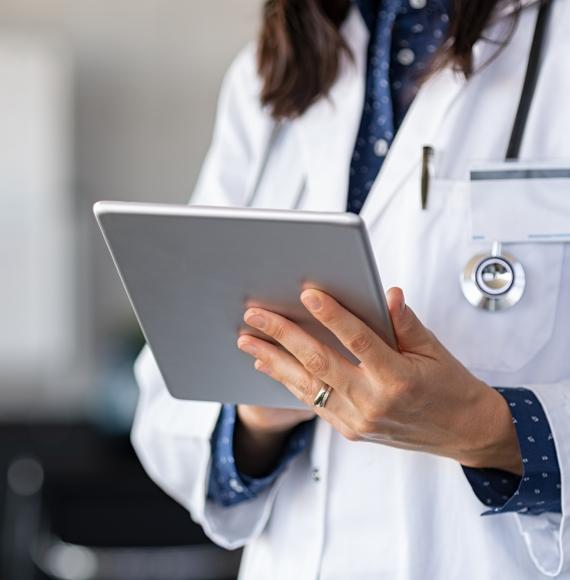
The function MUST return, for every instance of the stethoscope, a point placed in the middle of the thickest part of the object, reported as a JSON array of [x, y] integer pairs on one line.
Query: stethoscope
[[497, 281], [494, 281]]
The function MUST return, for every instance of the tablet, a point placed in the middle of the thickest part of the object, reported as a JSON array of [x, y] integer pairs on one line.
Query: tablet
[[191, 272]]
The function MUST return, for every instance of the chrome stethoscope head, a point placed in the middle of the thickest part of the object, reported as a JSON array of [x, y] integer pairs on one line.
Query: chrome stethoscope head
[[493, 282]]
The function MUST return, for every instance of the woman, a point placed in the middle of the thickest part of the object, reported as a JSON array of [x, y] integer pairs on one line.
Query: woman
[[408, 449]]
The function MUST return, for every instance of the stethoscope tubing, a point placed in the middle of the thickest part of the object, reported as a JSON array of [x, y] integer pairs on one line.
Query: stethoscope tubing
[[470, 279]]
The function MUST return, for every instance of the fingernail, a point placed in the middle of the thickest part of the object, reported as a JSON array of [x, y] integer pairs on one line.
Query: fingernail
[[311, 301], [247, 347], [403, 305], [256, 320]]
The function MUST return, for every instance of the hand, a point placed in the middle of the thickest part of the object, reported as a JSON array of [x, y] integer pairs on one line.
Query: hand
[[260, 436], [420, 398]]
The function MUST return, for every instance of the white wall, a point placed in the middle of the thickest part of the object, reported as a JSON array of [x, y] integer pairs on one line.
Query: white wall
[[147, 74], [37, 322]]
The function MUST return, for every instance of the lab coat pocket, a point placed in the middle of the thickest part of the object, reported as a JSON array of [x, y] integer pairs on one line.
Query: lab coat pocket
[[502, 341], [508, 340]]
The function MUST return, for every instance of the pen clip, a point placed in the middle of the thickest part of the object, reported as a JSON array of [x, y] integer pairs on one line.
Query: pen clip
[[427, 156]]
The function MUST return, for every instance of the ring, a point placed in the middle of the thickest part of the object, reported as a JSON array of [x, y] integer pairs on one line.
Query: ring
[[322, 396]]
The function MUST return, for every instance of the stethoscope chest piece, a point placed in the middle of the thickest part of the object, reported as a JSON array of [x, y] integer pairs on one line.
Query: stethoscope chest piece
[[493, 282], [497, 281]]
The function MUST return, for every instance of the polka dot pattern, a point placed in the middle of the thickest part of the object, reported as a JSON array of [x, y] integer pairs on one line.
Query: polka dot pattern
[[404, 35], [226, 485], [539, 489]]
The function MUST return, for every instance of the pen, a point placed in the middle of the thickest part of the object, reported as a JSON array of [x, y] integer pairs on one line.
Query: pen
[[427, 155]]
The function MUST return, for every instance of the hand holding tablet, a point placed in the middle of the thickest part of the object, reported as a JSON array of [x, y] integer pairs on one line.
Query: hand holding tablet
[[191, 272]]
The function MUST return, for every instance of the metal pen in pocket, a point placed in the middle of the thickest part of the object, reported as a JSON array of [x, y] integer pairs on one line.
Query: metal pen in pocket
[[426, 174]]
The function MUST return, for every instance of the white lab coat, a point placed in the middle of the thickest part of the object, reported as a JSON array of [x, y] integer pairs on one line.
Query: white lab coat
[[373, 512]]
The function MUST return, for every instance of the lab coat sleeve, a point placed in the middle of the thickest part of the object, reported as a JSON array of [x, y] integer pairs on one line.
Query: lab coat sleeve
[[172, 437], [547, 536], [241, 134], [172, 440]]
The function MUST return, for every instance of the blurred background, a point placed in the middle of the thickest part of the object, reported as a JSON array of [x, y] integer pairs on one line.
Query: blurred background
[[98, 100]]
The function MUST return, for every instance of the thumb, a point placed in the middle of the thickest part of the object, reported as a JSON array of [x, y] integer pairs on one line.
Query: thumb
[[411, 334]]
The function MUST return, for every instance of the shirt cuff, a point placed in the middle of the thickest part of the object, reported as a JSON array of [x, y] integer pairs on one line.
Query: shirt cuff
[[226, 485], [538, 490]]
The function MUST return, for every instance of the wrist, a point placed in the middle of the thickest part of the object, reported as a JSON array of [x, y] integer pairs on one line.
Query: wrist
[[257, 448], [492, 441], [259, 437]]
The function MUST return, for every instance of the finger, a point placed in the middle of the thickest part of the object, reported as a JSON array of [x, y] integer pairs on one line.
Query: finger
[[338, 411], [411, 334], [286, 369], [354, 334], [317, 358], [329, 413]]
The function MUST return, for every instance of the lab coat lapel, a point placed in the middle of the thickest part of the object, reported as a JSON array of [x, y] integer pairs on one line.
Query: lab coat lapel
[[420, 127], [327, 131], [424, 122]]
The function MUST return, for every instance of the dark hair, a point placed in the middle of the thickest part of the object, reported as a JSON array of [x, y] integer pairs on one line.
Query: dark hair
[[300, 48]]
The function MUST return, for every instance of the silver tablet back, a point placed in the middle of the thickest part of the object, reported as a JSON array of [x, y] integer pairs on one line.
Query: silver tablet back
[[190, 273]]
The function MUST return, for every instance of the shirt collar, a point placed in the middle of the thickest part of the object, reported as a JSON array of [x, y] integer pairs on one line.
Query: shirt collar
[[369, 10]]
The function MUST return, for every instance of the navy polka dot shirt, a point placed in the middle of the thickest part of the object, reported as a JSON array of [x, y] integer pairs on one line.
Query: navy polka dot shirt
[[404, 36], [227, 486], [539, 488]]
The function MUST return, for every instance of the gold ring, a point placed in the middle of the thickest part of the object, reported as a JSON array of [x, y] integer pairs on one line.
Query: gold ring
[[322, 396]]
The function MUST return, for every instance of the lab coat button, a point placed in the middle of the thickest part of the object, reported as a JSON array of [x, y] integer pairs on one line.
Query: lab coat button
[[316, 474]]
